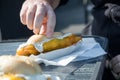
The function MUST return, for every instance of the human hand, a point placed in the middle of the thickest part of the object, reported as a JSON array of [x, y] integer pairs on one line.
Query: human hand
[[115, 65], [39, 16]]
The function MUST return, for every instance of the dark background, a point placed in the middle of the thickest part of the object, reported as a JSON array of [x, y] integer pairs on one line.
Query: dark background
[[10, 24], [70, 18]]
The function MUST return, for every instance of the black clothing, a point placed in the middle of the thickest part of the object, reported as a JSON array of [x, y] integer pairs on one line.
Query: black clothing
[[63, 2], [10, 25], [105, 25]]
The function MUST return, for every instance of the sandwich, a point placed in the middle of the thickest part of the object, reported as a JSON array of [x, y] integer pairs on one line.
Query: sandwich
[[20, 68], [38, 44]]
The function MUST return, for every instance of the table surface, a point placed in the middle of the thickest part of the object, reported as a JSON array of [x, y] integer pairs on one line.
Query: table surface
[[82, 70]]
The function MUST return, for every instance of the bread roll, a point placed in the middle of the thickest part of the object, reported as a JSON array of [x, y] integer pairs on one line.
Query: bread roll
[[38, 38], [41, 44], [19, 65], [21, 68]]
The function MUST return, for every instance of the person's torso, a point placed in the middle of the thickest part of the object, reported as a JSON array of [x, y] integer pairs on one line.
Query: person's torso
[[105, 26]]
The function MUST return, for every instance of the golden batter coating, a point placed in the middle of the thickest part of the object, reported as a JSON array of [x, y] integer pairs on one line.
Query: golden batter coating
[[10, 77], [53, 44], [56, 43], [27, 50]]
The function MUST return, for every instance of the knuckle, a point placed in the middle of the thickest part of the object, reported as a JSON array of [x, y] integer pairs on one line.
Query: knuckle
[[30, 12]]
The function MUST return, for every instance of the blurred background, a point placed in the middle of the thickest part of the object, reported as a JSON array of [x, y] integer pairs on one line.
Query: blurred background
[[72, 17]]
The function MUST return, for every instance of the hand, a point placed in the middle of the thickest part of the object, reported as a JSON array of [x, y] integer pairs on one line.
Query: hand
[[115, 64], [39, 16]]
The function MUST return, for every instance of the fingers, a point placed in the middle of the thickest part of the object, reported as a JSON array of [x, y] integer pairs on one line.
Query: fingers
[[39, 16], [51, 21], [43, 29], [30, 16], [116, 68], [115, 60], [115, 64], [23, 13]]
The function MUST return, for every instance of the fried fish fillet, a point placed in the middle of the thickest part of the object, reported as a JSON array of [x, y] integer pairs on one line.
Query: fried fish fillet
[[10, 77], [49, 45]]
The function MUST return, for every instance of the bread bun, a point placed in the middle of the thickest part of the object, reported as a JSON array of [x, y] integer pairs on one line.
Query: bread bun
[[38, 38], [19, 65], [57, 34], [38, 44]]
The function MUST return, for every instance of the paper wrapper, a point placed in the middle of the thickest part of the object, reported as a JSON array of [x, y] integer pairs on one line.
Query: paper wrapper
[[86, 49], [57, 53]]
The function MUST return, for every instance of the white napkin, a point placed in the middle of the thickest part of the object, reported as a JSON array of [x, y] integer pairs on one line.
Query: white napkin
[[89, 49], [96, 51]]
